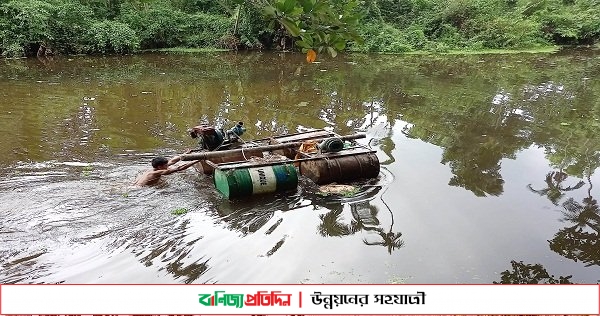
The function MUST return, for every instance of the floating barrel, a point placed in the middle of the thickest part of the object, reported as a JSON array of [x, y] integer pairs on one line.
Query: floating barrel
[[341, 168], [241, 182]]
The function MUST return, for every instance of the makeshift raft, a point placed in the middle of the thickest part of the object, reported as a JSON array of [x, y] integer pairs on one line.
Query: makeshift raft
[[274, 164]]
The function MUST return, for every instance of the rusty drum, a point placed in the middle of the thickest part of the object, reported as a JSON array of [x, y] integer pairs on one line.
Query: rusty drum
[[341, 168]]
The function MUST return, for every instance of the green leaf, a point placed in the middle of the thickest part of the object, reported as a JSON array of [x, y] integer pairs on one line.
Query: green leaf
[[296, 12], [279, 5], [302, 44], [340, 45], [307, 38], [179, 211], [269, 11], [332, 51], [290, 26], [288, 6], [307, 5], [319, 6], [320, 35]]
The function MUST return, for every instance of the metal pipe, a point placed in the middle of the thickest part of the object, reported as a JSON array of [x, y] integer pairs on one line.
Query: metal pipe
[[238, 164], [253, 150]]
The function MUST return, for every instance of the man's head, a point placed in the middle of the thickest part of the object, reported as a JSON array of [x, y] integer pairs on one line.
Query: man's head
[[160, 163]]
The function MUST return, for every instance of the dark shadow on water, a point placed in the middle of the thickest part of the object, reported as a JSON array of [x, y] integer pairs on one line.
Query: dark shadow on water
[[250, 214]]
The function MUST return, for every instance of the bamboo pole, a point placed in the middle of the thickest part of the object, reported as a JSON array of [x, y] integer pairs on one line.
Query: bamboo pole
[[207, 155]]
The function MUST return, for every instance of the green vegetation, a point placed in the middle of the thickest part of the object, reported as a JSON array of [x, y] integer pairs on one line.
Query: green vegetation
[[87, 170], [536, 50], [188, 50], [179, 211], [43, 27]]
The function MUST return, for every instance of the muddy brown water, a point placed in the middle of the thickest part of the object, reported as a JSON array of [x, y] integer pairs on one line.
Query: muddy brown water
[[488, 169]]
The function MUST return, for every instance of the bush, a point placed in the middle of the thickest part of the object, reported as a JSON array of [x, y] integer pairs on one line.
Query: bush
[[196, 6], [589, 21], [459, 13], [12, 50], [388, 39], [111, 37], [157, 26], [254, 30], [447, 36], [575, 23], [406, 13], [24, 25], [69, 25], [205, 30], [162, 25], [507, 32]]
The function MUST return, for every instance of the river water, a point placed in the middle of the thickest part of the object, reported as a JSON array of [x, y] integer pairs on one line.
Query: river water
[[488, 169]]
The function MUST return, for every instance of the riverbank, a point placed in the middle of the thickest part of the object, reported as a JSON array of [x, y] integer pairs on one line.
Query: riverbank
[[537, 50]]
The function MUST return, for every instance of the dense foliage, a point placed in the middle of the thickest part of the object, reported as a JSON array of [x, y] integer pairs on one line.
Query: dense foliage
[[390, 26]]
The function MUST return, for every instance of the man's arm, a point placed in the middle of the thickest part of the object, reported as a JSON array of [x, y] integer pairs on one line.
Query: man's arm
[[177, 158], [178, 168], [174, 160], [187, 165]]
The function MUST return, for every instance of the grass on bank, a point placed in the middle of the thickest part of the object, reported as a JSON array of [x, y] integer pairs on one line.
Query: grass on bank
[[536, 50], [186, 50]]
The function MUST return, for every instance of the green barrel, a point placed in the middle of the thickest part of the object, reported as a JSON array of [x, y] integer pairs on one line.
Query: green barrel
[[242, 182]]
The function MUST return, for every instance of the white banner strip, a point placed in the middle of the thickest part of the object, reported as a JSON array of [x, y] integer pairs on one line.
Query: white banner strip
[[217, 299]]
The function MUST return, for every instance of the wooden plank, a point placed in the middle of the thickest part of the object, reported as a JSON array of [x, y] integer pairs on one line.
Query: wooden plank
[[248, 164], [249, 151], [303, 136]]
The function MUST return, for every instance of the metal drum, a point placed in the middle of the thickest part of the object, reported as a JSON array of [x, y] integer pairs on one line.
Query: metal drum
[[242, 182], [341, 168]]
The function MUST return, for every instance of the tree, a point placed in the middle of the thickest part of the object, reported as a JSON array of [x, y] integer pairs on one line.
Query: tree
[[316, 25]]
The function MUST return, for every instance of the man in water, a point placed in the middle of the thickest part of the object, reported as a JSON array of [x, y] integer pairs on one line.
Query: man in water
[[161, 168]]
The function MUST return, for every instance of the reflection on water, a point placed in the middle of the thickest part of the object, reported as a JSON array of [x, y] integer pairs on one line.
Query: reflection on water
[[555, 189], [364, 216], [523, 273], [581, 241], [464, 142]]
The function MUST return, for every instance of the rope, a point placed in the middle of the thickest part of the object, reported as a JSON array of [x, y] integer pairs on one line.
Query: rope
[[388, 207], [244, 155], [385, 203], [369, 143]]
